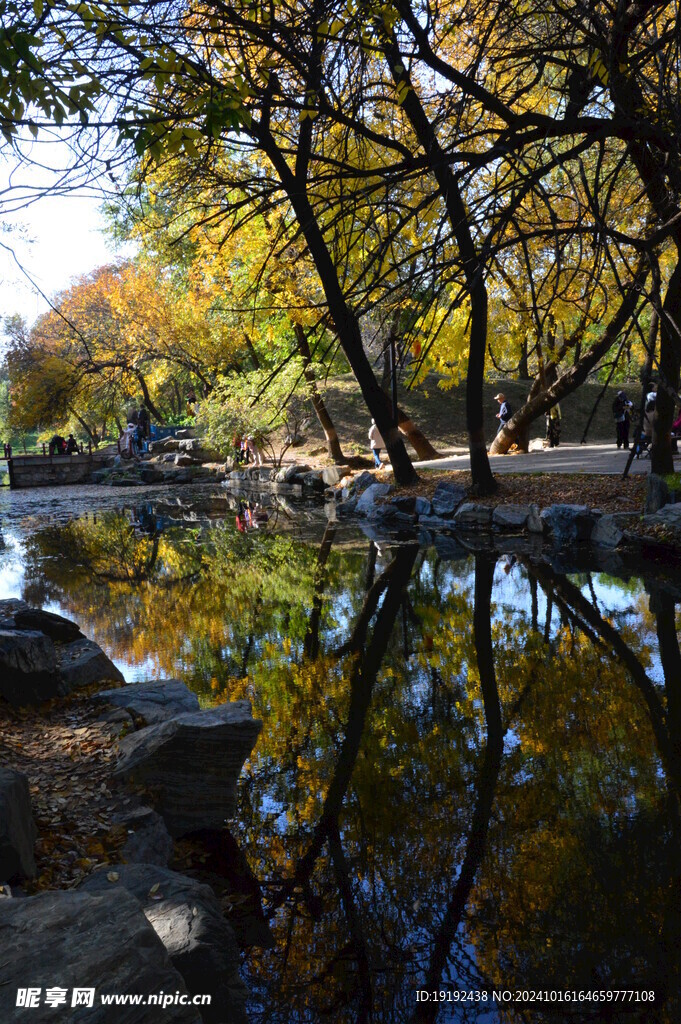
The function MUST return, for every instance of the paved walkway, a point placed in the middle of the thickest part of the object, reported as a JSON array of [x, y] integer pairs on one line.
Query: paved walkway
[[568, 458]]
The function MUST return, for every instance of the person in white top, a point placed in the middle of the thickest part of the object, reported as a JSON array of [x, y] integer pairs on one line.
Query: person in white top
[[376, 442]]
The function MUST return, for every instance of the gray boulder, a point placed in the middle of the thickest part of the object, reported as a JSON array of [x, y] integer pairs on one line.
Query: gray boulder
[[332, 475], [422, 506], [188, 920], [472, 516], [55, 626], [447, 498], [313, 481], [184, 460], [368, 498], [148, 841], [151, 702], [362, 481], [608, 531], [29, 672], [83, 662], [191, 764], [17, 828], [569, 523], [77, 940], [511, 517], [291, 473]]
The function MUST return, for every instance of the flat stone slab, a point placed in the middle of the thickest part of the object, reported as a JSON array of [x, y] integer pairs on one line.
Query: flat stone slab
[[77, 940], [511, 517], [83, 662], [191, 764], [188, 919], [17, 828], [471, 515], [151, 702]]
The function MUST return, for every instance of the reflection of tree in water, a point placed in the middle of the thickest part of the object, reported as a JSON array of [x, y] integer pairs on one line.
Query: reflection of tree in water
[[399, 849]]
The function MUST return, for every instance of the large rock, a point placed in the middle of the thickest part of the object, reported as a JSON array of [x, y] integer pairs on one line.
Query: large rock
[[472, 516], [569, 523], [149, 841], [332, 475], [29, 672], [188, 920], [55, 626], [369, 496], [191, 764], [362, 481], [17, 828], [77, 940], [313, 481], [151, 702], [83, 662], [447, 498], [608, 531], [511, 517]]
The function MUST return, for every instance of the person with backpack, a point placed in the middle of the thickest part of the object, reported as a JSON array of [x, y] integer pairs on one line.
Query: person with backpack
[[620, 410]]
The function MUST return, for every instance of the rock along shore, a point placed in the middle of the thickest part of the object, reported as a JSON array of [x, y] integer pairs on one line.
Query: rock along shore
[[128, 923]]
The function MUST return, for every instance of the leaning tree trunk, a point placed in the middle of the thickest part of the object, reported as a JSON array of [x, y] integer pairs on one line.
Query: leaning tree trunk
[[570, 379], [323, 415], [417, 439]]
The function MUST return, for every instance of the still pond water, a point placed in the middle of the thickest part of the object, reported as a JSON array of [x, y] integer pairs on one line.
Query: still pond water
[[470, 768]]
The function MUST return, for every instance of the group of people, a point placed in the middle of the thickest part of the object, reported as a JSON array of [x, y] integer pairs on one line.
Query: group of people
[[63, 445], [621, 410], [246, 450], [134, 439]]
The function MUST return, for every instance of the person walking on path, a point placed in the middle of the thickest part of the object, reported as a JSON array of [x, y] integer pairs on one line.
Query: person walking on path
[[553, 426], [505, 411], [376, 442], [620, 410], [254, 450]]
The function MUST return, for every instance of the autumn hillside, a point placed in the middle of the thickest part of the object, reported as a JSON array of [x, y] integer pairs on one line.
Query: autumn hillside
[[441, 414]]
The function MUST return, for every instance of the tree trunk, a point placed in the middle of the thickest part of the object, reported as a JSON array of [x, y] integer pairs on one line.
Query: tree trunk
[[148, 401], [344, 318], [332, 443], [473, 268], [661, 456]]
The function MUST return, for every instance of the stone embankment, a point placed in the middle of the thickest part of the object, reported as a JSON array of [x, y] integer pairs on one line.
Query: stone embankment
[[133, 926], [450, 509]]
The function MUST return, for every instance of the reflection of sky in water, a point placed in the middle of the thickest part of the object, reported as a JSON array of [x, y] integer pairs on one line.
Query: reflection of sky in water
[[622, 602]]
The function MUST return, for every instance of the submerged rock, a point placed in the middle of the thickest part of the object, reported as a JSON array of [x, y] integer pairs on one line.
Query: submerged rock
[[77, 940], [188, 920], [191, 764], [17, 828]]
